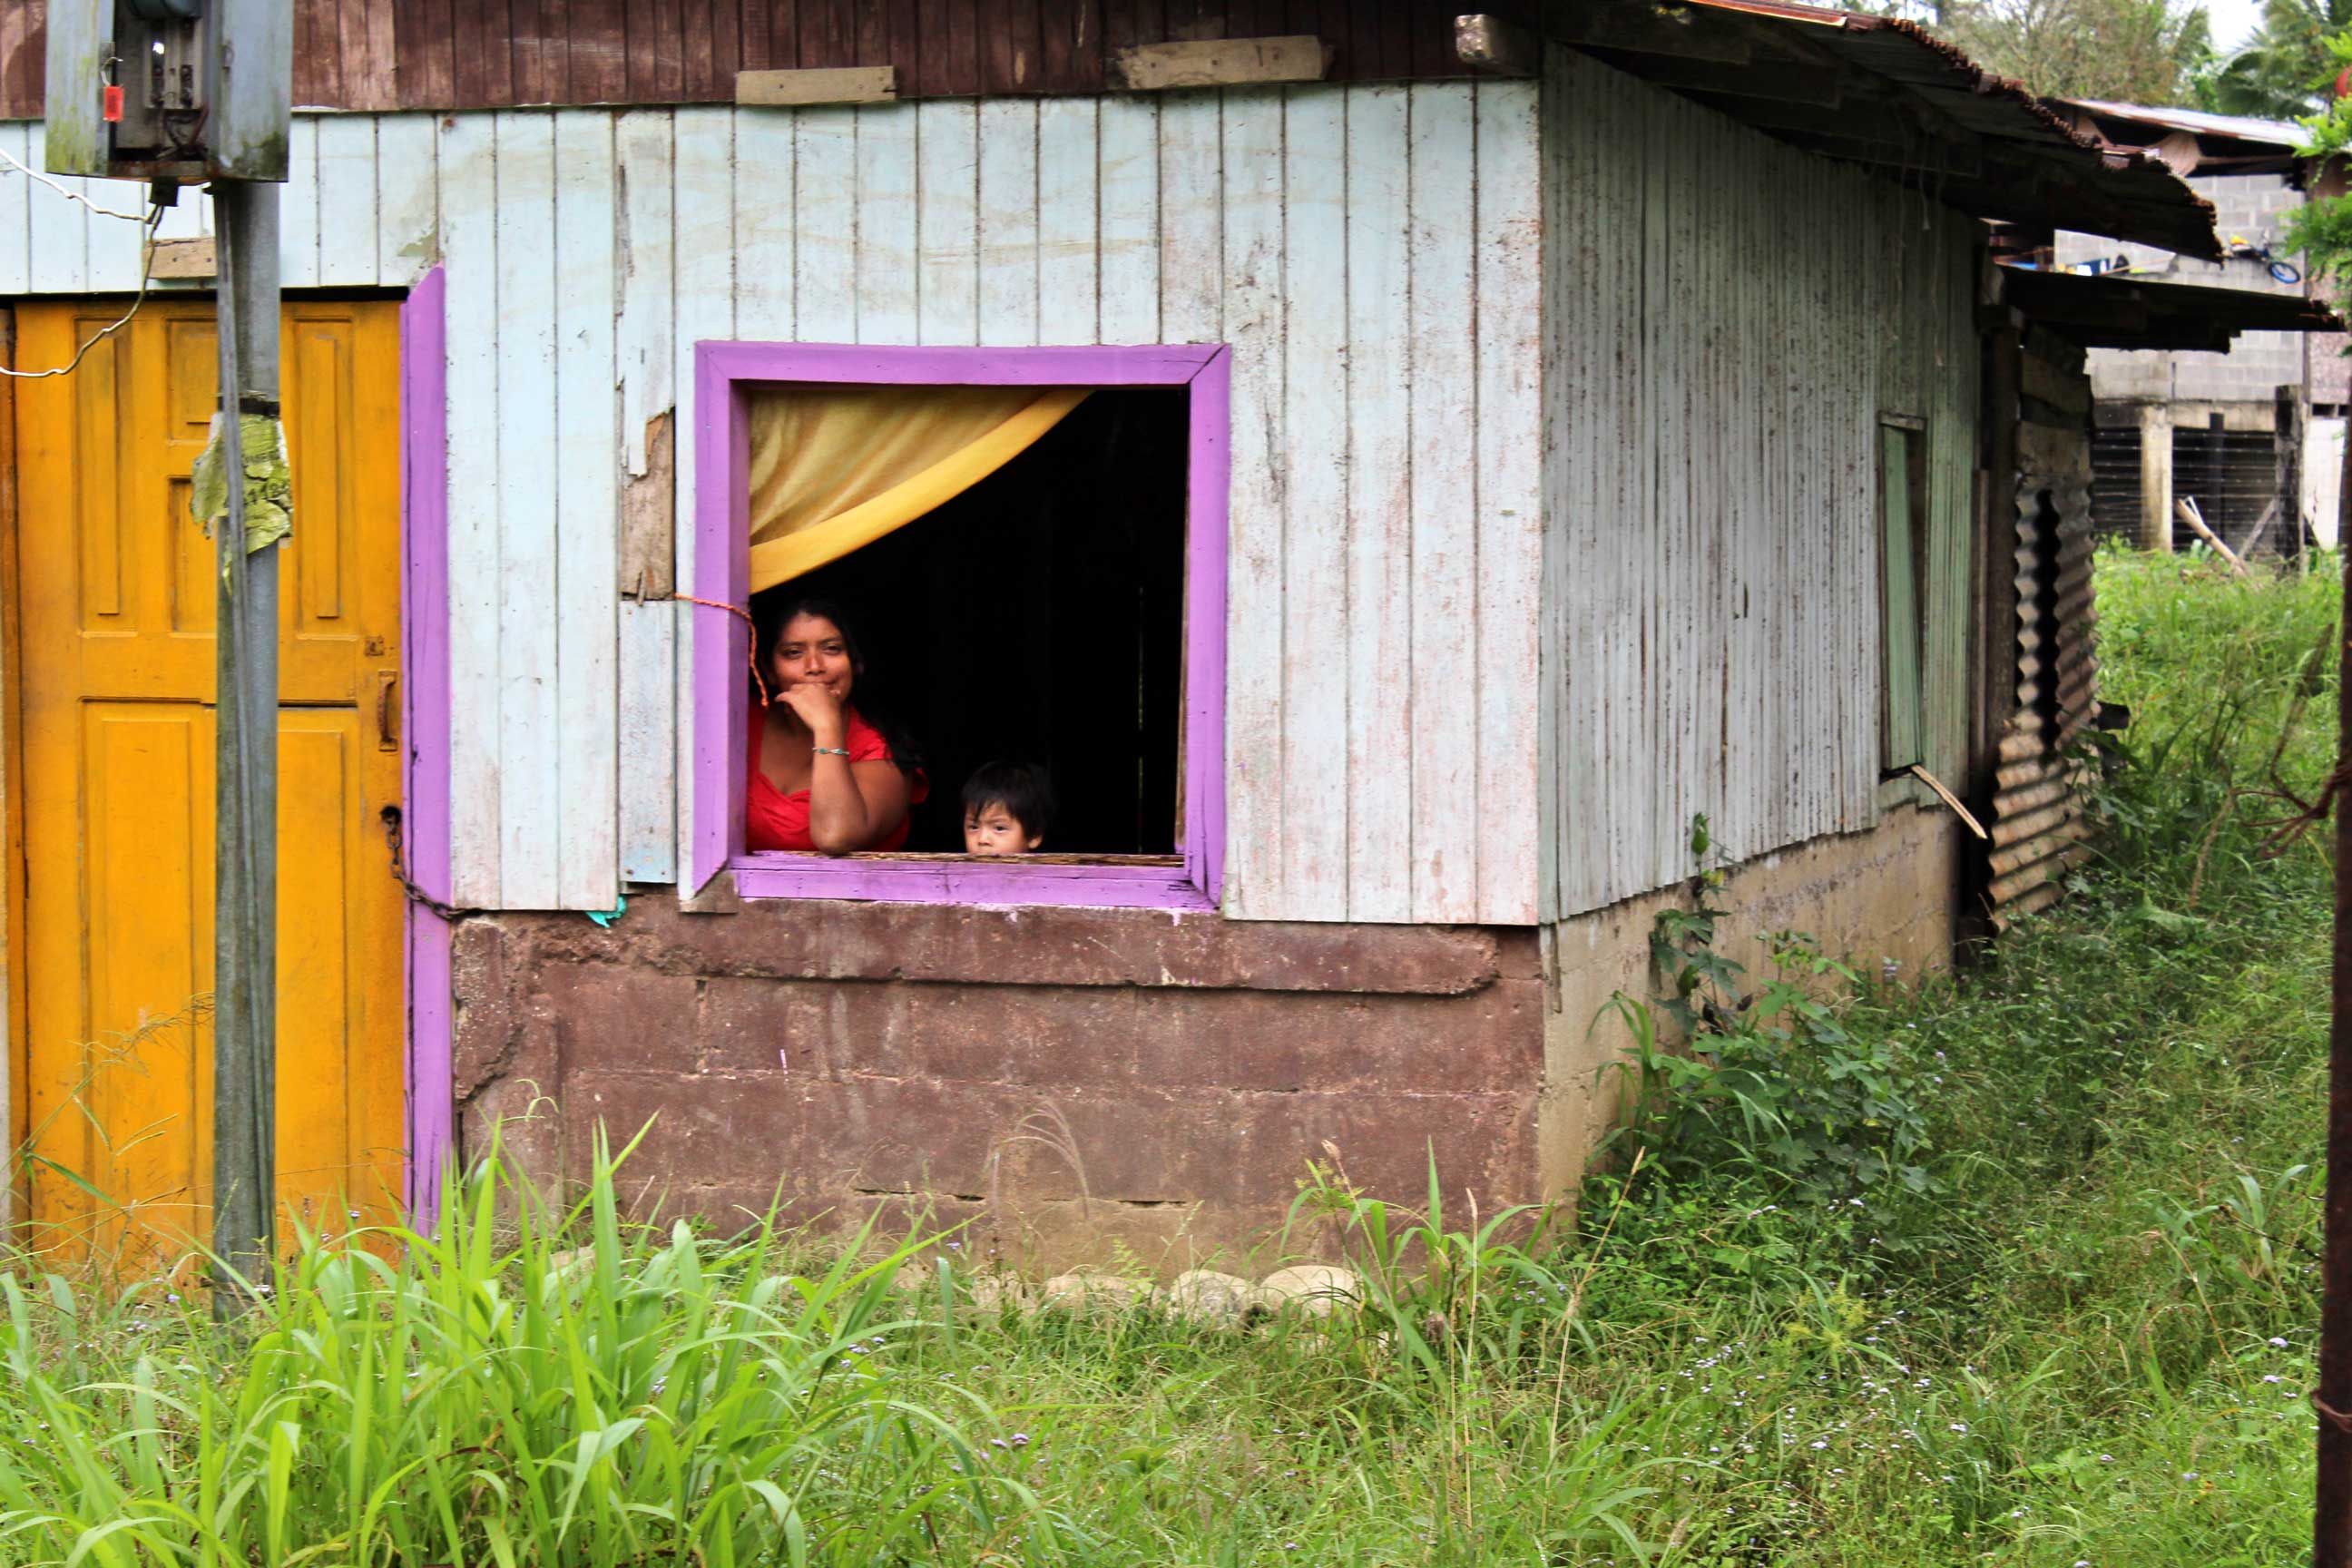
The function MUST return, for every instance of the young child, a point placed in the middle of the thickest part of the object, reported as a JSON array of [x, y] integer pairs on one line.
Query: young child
[[1008, 809]]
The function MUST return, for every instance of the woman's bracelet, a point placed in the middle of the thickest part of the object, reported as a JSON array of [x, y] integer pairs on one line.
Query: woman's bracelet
[[831, 750]]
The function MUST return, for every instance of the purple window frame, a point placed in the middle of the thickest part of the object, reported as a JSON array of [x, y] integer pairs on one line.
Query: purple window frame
[[724, 372]]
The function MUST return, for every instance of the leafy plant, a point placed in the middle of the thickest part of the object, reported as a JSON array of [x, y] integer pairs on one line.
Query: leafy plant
[[1768, 1083]]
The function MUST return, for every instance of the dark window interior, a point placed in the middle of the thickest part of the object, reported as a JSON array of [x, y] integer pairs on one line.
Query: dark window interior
[[1040, 615]]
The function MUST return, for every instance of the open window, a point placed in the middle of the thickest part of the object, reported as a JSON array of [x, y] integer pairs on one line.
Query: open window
[[1903, 553], [1058, 597]]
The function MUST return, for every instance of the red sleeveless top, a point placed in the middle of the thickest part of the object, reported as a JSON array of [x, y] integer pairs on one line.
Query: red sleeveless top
[[774, 820]]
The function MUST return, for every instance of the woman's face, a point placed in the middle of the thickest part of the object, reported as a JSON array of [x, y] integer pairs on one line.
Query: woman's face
[[811, 651]]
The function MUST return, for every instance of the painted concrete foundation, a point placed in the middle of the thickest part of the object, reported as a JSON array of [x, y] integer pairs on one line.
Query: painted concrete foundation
[[1074, 1080]]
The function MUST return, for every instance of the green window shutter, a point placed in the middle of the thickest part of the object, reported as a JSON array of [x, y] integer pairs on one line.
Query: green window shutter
[[1899, 597]]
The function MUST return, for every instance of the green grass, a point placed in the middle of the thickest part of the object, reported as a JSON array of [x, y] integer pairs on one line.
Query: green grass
[[2083, 1336]]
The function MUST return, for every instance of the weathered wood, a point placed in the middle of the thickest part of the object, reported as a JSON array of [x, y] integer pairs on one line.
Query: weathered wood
[[1255, 307], [648, 569], [1443, 485], [703, 202], [183, 259], [587, 463], [1220, 62], [1194, 218], [1379, 506], [1068, 271], [842, 84], [1313, 698], [1708, 644], [946, 219], [467, 168], [530, 736], [1011, 206], [888, 256], [1508, 244]]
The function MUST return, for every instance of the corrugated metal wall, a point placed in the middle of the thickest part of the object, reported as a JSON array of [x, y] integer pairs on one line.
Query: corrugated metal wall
[[1715, 368], [1369, 252], [2038, 826]]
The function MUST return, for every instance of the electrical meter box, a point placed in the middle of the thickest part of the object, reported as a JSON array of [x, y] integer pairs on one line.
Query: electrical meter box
[[184, 90]]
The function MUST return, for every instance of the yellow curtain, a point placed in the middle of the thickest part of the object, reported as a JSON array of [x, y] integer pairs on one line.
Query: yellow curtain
[[836, 467]]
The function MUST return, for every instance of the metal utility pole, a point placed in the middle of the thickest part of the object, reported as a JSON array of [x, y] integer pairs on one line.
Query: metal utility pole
[[176, 93], [2331, 1543], [244, 927]]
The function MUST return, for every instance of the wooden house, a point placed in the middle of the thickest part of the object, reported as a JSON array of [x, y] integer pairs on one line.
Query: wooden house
[[1498, 441]]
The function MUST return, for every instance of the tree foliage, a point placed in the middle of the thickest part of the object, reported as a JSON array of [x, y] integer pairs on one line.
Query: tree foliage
[[2286, 69], [2322, 227], [2131, 51]]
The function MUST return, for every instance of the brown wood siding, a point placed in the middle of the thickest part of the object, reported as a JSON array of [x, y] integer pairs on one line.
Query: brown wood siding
[[495, 54]]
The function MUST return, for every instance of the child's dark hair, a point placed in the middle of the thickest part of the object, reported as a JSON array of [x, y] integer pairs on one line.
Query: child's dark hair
[[773, 612], [1023, 789]]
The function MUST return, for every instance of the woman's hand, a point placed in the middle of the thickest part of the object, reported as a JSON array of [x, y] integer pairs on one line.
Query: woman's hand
[[819, 707]]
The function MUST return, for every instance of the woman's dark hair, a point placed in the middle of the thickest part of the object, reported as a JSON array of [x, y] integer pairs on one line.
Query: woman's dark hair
[[1024, 790], [870, 697]]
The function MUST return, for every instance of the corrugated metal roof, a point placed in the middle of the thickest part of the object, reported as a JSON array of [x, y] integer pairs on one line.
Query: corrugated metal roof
[[1883, 92], [2282, 133]]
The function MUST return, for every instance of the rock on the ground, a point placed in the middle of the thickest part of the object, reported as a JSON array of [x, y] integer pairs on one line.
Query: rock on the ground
[[1084, 1292], [1212, 1297], [1314, 1287]]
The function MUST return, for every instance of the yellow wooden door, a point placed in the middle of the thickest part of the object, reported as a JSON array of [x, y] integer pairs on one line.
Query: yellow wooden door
[[116, 624]]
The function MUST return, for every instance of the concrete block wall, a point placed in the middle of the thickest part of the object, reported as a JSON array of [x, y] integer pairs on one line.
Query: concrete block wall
[[2254, 206]]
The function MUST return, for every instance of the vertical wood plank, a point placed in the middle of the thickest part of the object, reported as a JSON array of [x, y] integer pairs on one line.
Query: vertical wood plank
[[1378, 508], [597, 61], [1128, 170], [117, 246], [1509, 543], [764, 259], [407, 198], [427, 66], [1192, 219], [1319, 401], [1069, 253], [347, 205], [705, 202], [469, 205], [529, 732], [1254, 324], [888, 274], [825, 174], [587, 524], [646, 345], [645, 348], [1010, 213], [298, 206], [59, 229], [16, 211], [648, 737], [947, 220], [1445, 501]]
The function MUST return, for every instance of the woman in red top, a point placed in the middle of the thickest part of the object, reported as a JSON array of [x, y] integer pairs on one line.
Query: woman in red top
[[821, 777]]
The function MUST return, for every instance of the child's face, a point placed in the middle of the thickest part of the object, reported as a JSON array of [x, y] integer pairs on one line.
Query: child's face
[[992, 830]]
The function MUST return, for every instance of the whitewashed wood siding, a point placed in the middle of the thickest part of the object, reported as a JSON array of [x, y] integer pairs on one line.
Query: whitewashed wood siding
[[1371, 253], [1726, 320]]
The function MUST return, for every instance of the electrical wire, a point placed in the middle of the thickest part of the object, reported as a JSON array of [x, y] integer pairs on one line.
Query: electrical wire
[[146, 272], [34, 175]]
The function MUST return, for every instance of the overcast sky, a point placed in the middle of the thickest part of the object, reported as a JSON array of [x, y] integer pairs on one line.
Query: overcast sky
[[2232, 20]]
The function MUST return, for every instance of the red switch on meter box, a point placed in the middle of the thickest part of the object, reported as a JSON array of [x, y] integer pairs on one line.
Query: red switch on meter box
[[113, 111]]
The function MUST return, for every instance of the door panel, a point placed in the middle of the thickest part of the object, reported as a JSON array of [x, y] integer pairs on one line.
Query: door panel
[[117, 620]]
